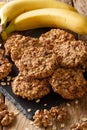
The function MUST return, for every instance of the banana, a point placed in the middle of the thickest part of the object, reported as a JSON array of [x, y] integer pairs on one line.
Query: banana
[[14, 8], [48, 17]]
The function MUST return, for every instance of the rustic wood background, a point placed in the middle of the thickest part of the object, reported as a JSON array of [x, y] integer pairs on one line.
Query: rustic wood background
[[77, 109]]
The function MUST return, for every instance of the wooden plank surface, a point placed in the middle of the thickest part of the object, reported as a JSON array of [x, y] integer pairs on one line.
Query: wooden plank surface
[[81, 6], [77, 111]]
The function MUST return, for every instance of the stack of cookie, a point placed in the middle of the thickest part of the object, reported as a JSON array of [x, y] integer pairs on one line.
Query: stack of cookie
[[54, 60]]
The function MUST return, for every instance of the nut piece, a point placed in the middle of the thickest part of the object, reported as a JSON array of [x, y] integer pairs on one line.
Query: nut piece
[[2, 106], [42, 118], [79, 126], [59, 113], [45, 118], [8, 119]]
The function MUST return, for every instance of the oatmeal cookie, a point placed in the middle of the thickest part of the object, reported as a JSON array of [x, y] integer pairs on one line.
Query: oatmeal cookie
[[37, 62], [72, 54], [5, 65], [70, 84], [16, 41], [55, 36], [30, 88], [21, 45], [12, 39]]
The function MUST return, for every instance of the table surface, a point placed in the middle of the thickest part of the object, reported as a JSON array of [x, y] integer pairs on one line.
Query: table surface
[[21, 122]]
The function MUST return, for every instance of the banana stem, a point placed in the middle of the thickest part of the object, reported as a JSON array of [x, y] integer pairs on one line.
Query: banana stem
[[4, 35], [7, 31], [10, 29]]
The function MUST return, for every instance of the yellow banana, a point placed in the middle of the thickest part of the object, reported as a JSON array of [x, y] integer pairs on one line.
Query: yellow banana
[[48, 17], [14, 8]]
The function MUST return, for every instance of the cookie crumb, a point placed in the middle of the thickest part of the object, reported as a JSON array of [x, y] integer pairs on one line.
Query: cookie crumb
[[84, 119], [45, 104], [3, 83], [68, 104], [62, 125], [29, 110], [0, 44], [76, 102], [9, 78], [8, 83], [38, 100], [17, 113]]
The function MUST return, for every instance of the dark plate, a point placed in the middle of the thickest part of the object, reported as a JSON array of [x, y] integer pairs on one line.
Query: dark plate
[[51, 99]]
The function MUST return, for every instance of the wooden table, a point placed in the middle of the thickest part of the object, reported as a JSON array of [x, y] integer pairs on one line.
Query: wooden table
[[79, 111]]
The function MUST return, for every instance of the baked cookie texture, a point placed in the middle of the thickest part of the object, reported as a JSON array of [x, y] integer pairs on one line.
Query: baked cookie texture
[[70, 84], [30, 88], [72, 54]]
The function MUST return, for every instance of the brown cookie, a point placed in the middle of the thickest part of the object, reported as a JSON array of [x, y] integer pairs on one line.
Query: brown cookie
[[30, 88], [69, 83]]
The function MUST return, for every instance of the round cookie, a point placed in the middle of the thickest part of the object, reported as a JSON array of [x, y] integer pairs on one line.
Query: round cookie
[[30, 88], [71, 54], [69, 83]]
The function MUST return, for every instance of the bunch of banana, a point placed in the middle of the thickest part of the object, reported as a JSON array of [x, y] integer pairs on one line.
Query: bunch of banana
[[49, 17], [31, 14], [14, 8]]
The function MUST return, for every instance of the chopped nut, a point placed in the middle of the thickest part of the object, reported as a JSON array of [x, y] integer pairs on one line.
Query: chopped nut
[[8, 119], [59, 113], [84, 119], [45, 104], [42, 118], [3, 83], [76, 102], [9, 78], [3, 113], [79, 126], [8, 83], [68, 104], [13, 78], [2, 106], [38, 100], [29, 110], [45, 118], [0, 44], [17, 113], [62, 125]]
